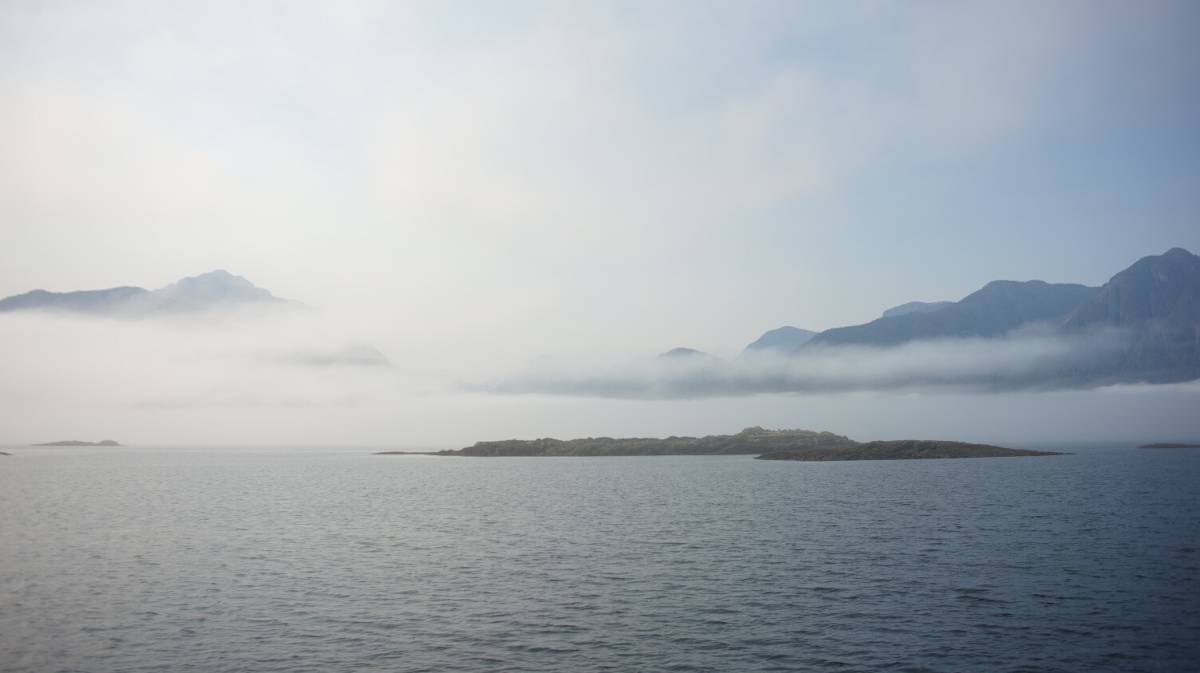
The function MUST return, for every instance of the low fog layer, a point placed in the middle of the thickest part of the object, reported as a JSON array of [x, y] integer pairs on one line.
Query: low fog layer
[[304, 378], [1027, 360], [503, 212]]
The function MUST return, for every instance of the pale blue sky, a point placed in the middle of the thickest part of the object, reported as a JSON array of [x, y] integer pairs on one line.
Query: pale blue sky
[[792, 162], [502, 182]]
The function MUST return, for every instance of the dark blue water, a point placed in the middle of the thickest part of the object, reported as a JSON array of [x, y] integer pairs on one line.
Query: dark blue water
[[341, 561]]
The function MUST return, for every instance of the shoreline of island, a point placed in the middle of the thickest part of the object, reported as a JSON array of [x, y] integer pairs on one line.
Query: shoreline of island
[[787, 444], [907, 449]]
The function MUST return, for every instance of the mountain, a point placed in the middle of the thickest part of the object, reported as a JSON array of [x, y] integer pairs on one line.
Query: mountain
[[83, 301], [996, 308], [1143, 325], [1156, 305], [782, 340], [1160, 288], [215, 289], [915, 307], [683, 353]]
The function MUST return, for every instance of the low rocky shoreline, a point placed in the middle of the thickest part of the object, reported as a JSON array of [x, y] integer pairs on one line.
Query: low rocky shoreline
[[905, 449], [806, 445], [754, 440]]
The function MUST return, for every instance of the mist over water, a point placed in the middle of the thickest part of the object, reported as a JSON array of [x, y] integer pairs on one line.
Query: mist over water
[[208, 560], [312, 378], [1034, 358], [255, 242]]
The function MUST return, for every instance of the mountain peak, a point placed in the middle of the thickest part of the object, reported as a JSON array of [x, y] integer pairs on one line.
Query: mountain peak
[[214, 287], [683, 352], [215, 274], [1163, 288], [915, 307], [217, 288], [214, 277], [786, 339], [996, 308]]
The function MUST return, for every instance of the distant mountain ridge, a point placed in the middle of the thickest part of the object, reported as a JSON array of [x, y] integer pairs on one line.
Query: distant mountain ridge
[[1156, 301], [1153, 306], [998, 307], [683, 352], [215, 289], [785, 339], [915, 307]]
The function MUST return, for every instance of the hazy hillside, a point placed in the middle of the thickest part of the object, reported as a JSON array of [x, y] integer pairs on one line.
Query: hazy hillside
[[215, 289], [996, 308], [1156, 303], [915, 307], [781, 340]]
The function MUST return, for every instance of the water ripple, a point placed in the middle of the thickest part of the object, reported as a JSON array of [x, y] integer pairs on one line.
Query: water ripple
[[206, 562]]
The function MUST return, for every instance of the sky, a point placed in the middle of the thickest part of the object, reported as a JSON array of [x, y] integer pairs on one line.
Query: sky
[[482, 188]]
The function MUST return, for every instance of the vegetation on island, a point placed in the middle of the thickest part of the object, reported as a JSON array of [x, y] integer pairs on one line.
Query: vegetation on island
[[766, 444], [903, 449], [749, 441]]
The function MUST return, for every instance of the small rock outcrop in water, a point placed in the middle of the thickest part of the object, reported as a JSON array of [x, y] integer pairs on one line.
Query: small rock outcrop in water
[[1169, 445], [748, 441], [5, 453], [903, 449], [76, 442]]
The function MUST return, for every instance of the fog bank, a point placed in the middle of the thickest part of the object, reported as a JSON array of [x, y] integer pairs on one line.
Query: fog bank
[[310, 380]]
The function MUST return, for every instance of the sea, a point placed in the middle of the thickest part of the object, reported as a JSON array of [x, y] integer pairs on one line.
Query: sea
[[338, 560]]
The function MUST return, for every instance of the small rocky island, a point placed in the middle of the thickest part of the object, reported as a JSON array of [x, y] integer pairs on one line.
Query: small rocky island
[[748, 441], [903, 449], [76, 442], [1169, 445], [767, 444]]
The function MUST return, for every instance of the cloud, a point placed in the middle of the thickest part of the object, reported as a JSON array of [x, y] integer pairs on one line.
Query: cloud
[[355, 355], [1028, 360], [471, 188], [225, 359]]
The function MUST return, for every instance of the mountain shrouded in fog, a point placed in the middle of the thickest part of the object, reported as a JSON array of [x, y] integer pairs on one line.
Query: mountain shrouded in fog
[[1154, 305], [784, 339], [213, 290], [1156, 302], [1142, 326], [915, 307], [997, 308]]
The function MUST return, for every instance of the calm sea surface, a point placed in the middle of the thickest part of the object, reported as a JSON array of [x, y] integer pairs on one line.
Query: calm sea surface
[[124, 560]]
